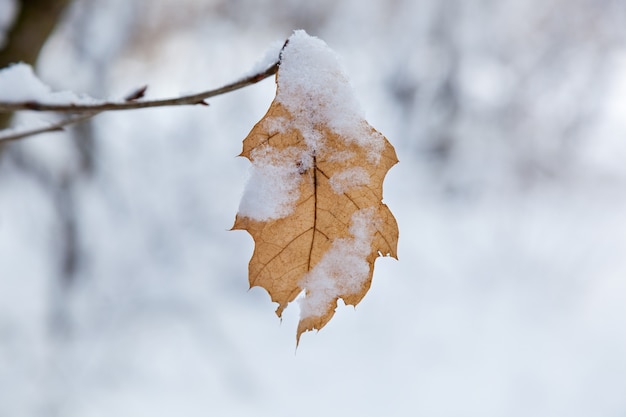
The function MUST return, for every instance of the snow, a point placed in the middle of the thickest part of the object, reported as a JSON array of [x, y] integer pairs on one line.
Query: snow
[[348, 179], [269, 58], [272, 189], [19, 83], [314, 87], [343, 270]]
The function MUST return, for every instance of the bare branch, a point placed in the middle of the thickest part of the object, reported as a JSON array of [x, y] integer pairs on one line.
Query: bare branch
[[15, 134], [135, 104]]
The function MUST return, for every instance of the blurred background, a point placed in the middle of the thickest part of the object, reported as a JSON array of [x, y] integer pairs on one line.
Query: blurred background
[[122, 292]]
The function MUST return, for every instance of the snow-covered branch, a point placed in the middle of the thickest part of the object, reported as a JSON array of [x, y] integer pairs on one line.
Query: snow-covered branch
[[81, 108], [197, 98]]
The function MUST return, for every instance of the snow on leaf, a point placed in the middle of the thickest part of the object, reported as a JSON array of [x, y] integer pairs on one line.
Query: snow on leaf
[[314, 201]]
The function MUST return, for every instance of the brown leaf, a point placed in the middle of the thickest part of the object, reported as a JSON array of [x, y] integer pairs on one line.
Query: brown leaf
[[313, 205]]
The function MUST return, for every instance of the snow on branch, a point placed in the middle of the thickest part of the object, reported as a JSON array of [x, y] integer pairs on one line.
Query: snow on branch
[[21, 90]]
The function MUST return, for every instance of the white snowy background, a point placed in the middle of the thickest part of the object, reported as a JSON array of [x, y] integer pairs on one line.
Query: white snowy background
[[122, 292]]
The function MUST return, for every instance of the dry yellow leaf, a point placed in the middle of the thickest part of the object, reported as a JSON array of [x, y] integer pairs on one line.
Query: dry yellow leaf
[[314, 201]]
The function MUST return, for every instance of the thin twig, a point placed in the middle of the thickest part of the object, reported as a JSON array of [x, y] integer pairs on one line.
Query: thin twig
[[81, 112], [13, 134], [128, 105]]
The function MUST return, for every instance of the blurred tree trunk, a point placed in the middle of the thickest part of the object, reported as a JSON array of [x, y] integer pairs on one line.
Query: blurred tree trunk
[[33, 25]]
